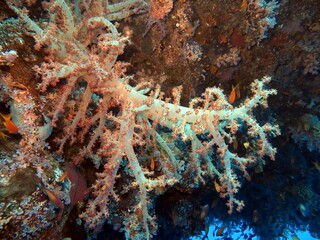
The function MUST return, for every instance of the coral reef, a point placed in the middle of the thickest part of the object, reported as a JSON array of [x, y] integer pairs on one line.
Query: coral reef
[[121, 97]]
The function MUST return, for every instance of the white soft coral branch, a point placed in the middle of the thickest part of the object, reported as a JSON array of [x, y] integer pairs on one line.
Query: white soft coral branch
[[84, 49]]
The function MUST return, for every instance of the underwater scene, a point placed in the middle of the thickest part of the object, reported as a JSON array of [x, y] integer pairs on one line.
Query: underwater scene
[[159, 119]]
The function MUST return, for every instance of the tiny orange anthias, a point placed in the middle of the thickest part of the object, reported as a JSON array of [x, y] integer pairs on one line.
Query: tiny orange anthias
[[11, 127], [234, 94]]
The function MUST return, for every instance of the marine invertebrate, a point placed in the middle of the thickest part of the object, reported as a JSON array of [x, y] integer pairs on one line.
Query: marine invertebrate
[[83, 45]]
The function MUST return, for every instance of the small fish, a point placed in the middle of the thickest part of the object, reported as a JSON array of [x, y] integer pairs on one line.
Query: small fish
[[152, 164], [204, 211], [295, 237], [220, 231], [244, 5], [206, 228], [246, 145], [18, 85], [11, 127], [235, 144], [303, 210], [255, 216], [214, 203], [63, 177], [160, 190], [54, 198], [216, 186], [233, 94], [248, 177], [51, 195]]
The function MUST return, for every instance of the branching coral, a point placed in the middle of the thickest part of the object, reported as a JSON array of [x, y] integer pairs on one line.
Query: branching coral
[[83, 45]]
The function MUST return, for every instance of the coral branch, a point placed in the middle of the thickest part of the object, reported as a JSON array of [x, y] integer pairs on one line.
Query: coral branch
[[83, 47]]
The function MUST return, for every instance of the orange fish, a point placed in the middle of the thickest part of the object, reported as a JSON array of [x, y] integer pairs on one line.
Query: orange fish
[[217, 186], [220, 231], [204, 211], [295, 237], [11, 127], [63, 177], [54, 198], [235, 93], [18, 85], [232, 96], [244, 5], [152, 164]]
